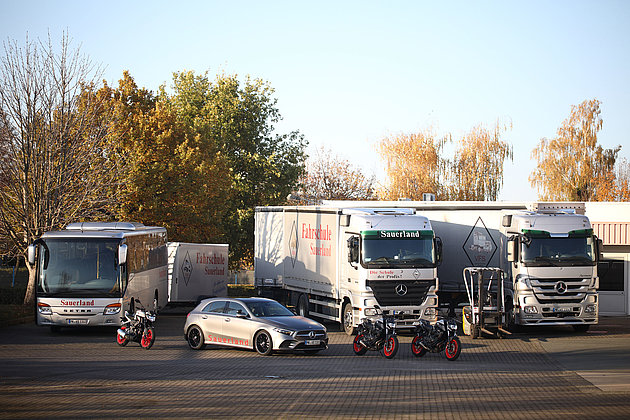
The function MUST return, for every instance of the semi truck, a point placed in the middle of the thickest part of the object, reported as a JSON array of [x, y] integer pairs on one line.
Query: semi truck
[[340, 263], [196, 271], [547, 250]]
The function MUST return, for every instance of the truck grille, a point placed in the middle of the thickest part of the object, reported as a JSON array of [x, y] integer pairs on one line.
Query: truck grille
[[560, 290], [390, 293]]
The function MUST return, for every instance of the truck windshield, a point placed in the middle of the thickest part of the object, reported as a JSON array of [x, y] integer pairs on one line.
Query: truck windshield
[[552, 251], [401, 249], [78, 268]]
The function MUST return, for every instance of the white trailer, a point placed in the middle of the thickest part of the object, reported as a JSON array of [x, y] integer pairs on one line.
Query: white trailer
[[336, 262], [548, 251], [196, 271]]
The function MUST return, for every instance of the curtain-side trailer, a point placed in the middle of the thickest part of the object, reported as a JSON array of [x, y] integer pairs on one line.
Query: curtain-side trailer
[[336, 262]]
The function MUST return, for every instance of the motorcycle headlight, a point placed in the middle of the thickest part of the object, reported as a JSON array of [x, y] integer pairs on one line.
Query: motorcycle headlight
[[451, 325], [283, 331], [151, 317]]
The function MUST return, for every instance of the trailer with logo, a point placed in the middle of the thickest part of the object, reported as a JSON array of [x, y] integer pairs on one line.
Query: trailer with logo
[[338, 263], [196, 271]]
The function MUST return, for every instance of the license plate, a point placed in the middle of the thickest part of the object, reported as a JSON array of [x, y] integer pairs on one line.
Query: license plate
[[562, 309], [312, 342], [77, 321]]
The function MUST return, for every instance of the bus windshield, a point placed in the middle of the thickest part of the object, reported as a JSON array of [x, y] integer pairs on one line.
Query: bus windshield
[[400, 249], [563, 251], [78, 267]]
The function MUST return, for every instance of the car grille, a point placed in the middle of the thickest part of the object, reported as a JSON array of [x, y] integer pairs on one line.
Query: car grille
[[306, 335], [385, 292], [547, 292]]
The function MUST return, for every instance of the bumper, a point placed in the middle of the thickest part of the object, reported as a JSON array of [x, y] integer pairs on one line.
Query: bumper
[[96, 320]]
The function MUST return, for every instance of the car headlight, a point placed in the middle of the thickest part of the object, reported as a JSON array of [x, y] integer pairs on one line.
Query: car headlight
[[44, 309], [284, 331], [112, 309]]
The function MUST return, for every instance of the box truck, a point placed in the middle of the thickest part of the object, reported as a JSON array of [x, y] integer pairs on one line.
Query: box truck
[[338, 263], [548, 251], [196, 271]]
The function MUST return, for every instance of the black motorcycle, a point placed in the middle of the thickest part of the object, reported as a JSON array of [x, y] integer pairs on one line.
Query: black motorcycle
[[435, 338], [376, 333], [138, 328]]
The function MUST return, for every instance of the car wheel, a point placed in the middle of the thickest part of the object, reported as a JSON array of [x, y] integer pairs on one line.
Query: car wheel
[[195, 338], [348, 319], [263, 343]]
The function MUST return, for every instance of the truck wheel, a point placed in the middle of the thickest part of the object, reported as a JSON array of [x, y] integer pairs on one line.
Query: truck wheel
[[302, 306], [348, 319]]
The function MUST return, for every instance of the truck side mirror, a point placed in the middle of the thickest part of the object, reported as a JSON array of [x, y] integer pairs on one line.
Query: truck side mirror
[[122, 254], [600, 248], [353, 249], [31, 253], [511, 249], [438, 249]]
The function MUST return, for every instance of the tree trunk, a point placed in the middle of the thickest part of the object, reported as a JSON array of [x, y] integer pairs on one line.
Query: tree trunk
[[29, 297]]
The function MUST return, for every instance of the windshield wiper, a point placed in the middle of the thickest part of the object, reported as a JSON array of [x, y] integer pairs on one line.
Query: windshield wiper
[[554, 262]]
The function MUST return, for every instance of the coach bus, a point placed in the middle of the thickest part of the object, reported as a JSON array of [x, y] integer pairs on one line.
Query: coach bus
[[89, 273]]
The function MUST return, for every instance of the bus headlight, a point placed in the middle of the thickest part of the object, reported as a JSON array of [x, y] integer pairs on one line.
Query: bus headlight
[[112, 309], [44, 308]]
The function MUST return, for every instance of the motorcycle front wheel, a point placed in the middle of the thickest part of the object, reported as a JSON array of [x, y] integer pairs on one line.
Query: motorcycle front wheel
[[416, 347], [453, 348], [359, 349], [390, 348], [122, 341], [148, 338]]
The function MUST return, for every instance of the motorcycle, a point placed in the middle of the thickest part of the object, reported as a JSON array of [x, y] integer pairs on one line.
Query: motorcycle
[[138, 328], [376, 333], [435, 338]]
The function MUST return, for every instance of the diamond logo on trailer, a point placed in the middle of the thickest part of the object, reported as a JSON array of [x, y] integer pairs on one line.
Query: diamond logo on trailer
[[187, 268], [480, 246], [293, 243]]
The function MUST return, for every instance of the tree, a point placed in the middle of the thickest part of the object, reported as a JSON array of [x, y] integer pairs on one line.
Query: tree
[[170, 178], [329, 177], [414, 164], [476, 172], [417, 164], [239, 120], [572, 166], [55, 165]]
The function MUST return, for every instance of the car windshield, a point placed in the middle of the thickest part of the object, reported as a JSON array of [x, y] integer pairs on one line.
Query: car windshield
[[78, 267], [564, 251], [264, 309], [402, 249]]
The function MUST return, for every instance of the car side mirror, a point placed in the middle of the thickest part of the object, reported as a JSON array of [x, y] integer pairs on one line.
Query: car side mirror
[[241, 314]]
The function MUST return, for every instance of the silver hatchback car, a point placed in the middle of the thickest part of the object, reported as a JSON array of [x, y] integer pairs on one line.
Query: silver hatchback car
[[258, 323]]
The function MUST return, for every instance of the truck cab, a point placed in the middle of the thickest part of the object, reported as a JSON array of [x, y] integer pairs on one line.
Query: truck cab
[[551, 259]]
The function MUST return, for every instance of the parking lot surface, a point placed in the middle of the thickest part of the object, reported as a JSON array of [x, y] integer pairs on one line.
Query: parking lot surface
[[545, 373]]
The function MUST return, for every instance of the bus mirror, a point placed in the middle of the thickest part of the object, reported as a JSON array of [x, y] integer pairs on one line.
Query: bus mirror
[[122, 254], [511, 249], [31, 254]]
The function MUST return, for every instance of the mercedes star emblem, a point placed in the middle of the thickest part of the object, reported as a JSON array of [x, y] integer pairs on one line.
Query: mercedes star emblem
[[401, 289], [561, 287]]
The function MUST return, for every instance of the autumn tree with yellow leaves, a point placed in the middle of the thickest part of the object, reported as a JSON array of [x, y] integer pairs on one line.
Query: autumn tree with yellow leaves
[[572, 166], [418, 163]]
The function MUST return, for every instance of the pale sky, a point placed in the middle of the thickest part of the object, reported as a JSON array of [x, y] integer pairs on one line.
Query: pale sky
[[349, 73]]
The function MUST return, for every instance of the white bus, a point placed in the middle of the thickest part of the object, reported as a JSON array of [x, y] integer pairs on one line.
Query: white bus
[[90, 273]]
